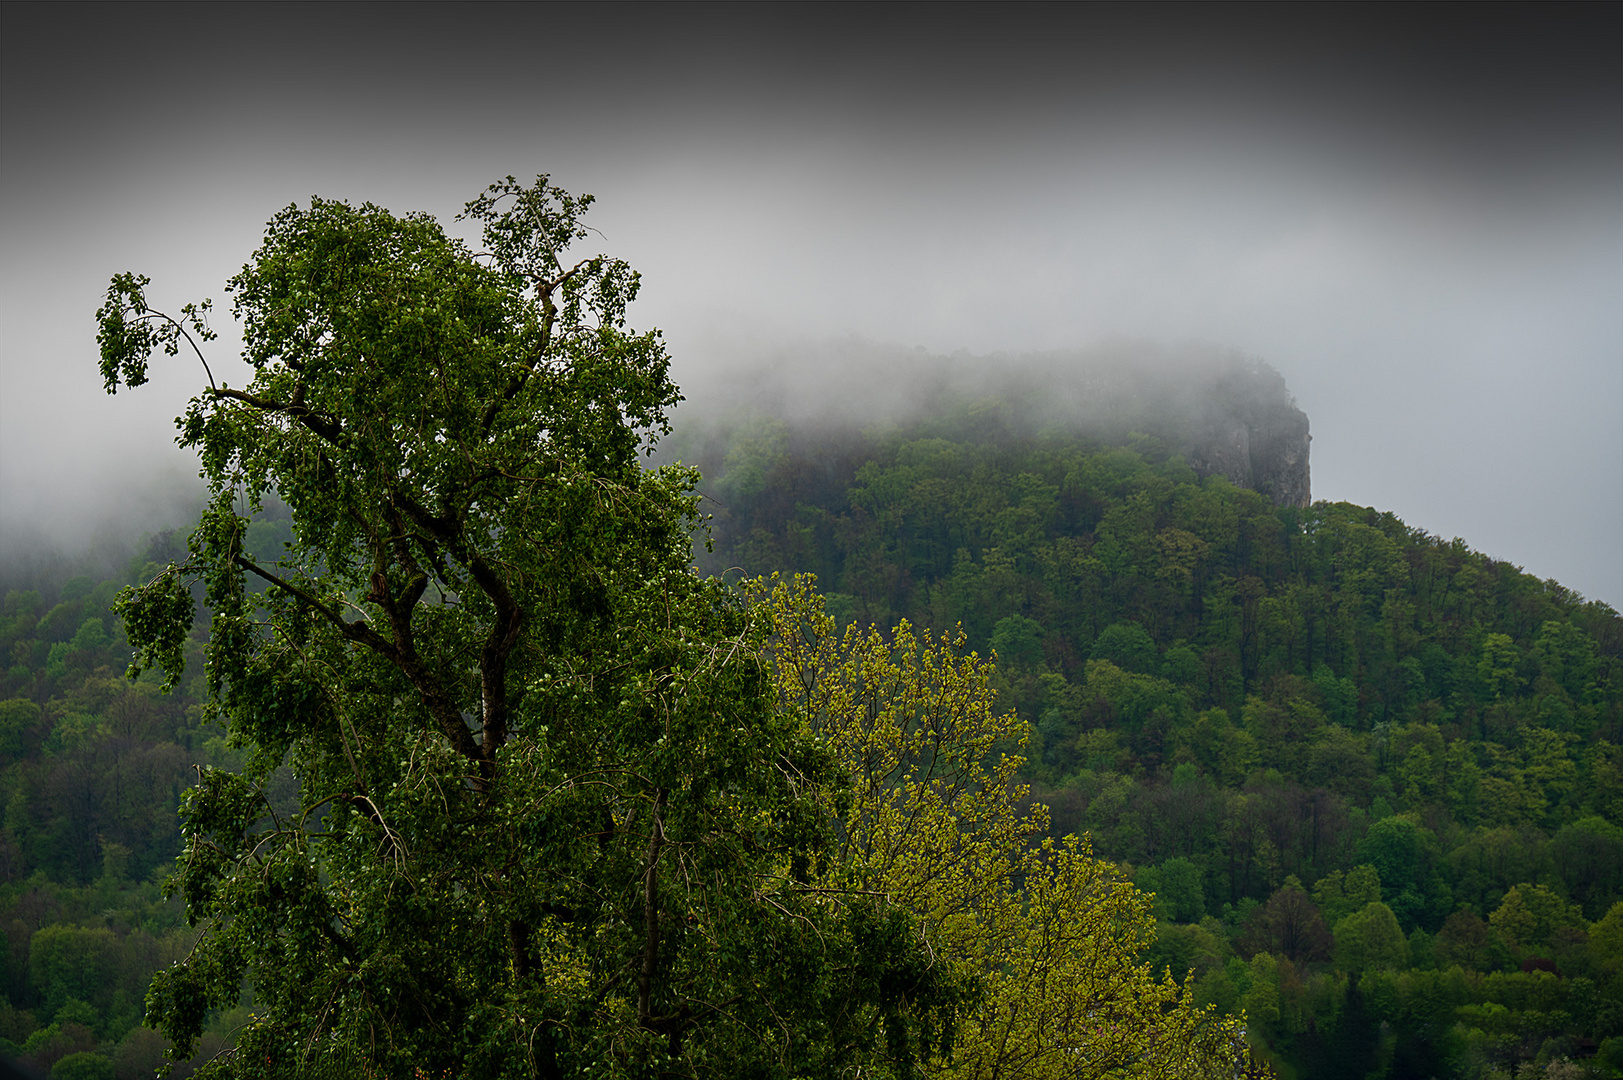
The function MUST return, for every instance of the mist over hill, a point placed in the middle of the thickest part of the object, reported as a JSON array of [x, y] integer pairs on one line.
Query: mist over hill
[[836, 403], [1270, 712], [42, 546]]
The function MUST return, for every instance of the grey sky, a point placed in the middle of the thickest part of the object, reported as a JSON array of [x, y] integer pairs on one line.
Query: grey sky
[[1414, 214]]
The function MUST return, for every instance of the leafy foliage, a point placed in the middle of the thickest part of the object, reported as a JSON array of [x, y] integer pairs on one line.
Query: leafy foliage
[[547, 819], [933, 822]]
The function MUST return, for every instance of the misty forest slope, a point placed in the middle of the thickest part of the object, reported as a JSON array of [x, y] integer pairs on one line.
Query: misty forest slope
[[93, 768], [1374, 778]]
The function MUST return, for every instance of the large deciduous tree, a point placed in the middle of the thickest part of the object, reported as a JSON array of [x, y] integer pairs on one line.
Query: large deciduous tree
[[549, 820]]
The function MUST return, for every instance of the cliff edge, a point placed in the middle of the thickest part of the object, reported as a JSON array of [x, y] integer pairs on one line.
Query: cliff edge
[[1253, 434]]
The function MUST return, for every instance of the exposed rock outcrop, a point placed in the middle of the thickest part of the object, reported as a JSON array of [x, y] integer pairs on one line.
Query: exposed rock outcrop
[[1259, 440]]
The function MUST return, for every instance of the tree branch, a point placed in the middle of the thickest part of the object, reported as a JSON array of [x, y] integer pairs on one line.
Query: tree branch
[[549, 316], [403, 656], [355, 631], [324, 426], [181, 328], [493, 657]]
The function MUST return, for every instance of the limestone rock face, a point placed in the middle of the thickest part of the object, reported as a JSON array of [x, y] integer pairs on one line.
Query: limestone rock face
[[1279, 459], [1258, 445]]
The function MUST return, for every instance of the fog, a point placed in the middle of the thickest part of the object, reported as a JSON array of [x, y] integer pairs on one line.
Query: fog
[[1106, 393], [1413, 214]]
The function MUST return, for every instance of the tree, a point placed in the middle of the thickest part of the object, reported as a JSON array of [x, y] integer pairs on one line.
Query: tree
[[1338, 895], [1396, 848], [67, 962], [1370, 940], [1606, 946], [1181, 890], [548, 820], [1130, 647], [1464, 940], [932, 821], [1288, 925], [82, 1066], [1530, 916], [17, 716]]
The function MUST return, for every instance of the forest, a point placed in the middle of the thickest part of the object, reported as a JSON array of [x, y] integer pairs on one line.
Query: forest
[[95, 766], [1294, 784], [1373, 777], [493, 782]]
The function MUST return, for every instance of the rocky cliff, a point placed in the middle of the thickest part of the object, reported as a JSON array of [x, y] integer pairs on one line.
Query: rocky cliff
[[1226, 414], [1252, 433]]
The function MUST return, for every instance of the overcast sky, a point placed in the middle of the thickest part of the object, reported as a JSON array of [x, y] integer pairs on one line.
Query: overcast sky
[[1415, 214]]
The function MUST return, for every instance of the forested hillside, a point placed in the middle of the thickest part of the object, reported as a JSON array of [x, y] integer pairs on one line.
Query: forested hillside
[[92, 770], [1373, 776]]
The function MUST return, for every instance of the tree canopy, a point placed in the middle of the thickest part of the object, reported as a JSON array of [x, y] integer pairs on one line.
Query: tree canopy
[[547, 817]]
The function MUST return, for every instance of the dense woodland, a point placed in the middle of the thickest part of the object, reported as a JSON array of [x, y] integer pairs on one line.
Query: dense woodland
[[95, 767], [94, 770], [1373, 778]]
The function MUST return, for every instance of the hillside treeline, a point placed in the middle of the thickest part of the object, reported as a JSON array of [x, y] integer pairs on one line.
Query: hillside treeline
[[92, 772], [1374, 777]]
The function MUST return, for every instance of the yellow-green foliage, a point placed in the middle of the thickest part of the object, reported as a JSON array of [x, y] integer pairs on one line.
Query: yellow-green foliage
[[933, 820]]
